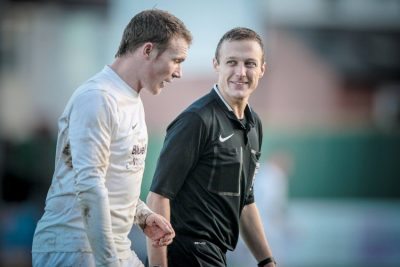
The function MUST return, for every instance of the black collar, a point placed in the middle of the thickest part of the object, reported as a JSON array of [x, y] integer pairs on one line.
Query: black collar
[[248, 113]]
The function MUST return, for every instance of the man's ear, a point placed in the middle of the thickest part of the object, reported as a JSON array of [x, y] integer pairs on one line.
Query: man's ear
[[148, 49], [216, 65], [263, 69]]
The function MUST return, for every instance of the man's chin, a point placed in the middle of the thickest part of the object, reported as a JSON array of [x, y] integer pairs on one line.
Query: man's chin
[[156, 91]]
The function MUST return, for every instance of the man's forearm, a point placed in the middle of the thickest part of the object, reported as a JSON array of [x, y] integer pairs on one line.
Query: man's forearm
[[252, 232], [160, 205], [97, 221], [142, 212]]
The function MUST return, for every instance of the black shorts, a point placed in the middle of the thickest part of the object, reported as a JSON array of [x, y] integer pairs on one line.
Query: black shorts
[[185, 251]]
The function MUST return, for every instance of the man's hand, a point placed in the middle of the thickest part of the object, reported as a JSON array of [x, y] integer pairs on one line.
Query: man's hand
[[159, 230]]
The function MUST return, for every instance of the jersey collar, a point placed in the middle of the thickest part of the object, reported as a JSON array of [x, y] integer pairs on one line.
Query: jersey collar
[[248, 113]]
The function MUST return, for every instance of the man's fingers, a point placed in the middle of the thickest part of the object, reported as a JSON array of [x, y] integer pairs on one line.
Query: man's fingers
[[167, 242], [162, 242], [163, 238], [164, 225]]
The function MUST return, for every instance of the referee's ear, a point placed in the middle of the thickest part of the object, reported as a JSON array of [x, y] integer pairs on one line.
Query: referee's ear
[[263, 69], [216, 64]]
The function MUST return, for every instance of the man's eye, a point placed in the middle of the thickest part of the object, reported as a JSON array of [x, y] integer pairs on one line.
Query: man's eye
[[251, 64]]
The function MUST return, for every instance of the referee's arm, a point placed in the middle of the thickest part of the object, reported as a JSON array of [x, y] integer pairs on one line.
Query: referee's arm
[[158, 204], [252, 232]]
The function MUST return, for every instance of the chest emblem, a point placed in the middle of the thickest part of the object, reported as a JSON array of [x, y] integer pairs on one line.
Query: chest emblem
[[223, 139]]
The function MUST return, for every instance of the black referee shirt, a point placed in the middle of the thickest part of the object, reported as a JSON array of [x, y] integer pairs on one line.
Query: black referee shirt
[[206, 168]]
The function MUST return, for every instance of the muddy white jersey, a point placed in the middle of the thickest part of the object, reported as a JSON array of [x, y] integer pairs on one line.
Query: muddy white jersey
[[93, 200]]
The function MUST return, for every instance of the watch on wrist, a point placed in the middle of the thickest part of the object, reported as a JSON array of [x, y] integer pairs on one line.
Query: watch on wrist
[[266, 261]]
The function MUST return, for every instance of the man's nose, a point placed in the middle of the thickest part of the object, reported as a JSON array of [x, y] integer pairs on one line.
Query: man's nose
[[177, 73], [240, 70]]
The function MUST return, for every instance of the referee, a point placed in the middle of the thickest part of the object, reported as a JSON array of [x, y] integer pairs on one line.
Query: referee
[[204, 178]]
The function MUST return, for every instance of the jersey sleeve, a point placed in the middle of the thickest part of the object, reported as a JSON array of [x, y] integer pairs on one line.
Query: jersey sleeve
[[181, 150], [91, 124], [90, 130]]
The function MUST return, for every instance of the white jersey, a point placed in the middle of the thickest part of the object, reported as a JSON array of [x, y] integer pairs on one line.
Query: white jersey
[[93, 200]]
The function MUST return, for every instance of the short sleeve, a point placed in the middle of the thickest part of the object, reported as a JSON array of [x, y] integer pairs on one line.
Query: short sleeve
[[182, 147]]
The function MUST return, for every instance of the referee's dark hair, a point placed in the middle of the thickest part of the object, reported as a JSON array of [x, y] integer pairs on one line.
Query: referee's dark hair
[[239, 34]]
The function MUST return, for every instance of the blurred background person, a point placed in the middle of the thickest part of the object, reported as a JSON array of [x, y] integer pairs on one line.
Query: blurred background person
[[271, 191]]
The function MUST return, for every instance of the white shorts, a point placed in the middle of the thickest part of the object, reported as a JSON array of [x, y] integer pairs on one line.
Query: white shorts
[[76, 259]]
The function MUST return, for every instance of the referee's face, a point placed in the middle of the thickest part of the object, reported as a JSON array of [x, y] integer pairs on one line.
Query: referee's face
[[239, 68]]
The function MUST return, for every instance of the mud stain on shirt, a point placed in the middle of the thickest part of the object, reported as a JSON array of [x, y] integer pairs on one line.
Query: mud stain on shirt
[[67, 155]]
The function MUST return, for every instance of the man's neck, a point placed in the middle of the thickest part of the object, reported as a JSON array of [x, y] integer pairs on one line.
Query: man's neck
[[124, 66]]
